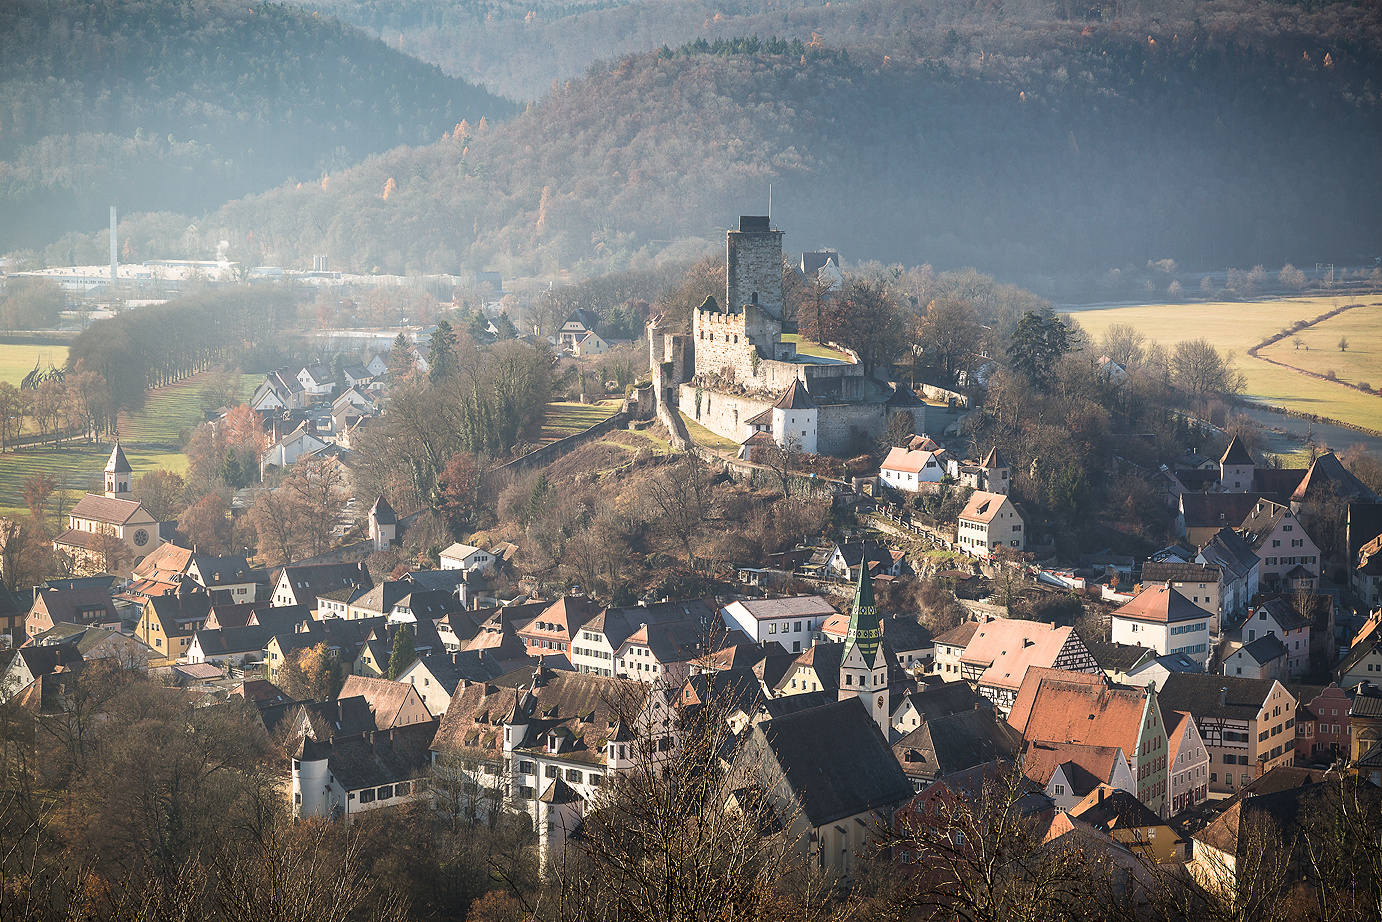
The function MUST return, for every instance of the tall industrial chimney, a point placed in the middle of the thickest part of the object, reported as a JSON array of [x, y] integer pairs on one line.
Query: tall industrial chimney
[[114, 252]]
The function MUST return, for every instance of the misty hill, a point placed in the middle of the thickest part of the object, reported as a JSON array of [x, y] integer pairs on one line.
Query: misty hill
[[1104, 150], [180, 106], [519, 47]]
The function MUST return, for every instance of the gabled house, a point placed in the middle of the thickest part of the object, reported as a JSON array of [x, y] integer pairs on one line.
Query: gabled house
[[29, 664], [600, 638], [230, 575], [792, 622], [465, 557], [990, 521], [1055, 708], [1363, 661], [280, 390], [1277, 538], [1263, 658], [70, 606], [1160, 618], [393, 704], [1239, 569], [1323, 723], [590, 344], [350, 775], [997, 654], [949, 744], [436, 676], [552, 632], [928, 703], [1248, 725], [169, 622], [904, 469], [286, 451], [830, 771], [1203, 514], [1198, 582], [845, 558], [317, 381], [1069, 772], [1278, 618], [580, 323], [664, 651], [375, 655], [301, 585], [1189, 768], [1130, 822], [159, 573], [358, 377]]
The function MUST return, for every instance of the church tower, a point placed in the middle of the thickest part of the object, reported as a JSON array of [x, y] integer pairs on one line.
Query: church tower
[[863, 669], [118, 475]]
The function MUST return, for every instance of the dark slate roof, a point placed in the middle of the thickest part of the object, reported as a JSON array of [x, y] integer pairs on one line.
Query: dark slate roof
[[234, 640], [1118, 810], [1277, 484], [1285, 614], [1230, 552], [312, 580], [950, 698], [1200, 695], [1367, 700], [1265, 649], [381, 757], [450, 669], [903, 633], [792, 704], [559, 792], [1261, 520], [726, 691], [1206, 510], [795, 398], [956, 743], [339, 717], [382, 512], [1157, 572], [1327, 471], [217, 570], [1119, 657], [836, 761], [904, 396], [1237, 453], [45, 659]]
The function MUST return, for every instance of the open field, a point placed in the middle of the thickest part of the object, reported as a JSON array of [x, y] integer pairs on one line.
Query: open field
[[807, 347], [170, 410], [17, 360], [564, 419], [77, 467], [1319, 347], [1237, 326]]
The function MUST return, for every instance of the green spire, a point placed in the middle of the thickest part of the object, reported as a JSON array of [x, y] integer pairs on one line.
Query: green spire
[[865, 630]]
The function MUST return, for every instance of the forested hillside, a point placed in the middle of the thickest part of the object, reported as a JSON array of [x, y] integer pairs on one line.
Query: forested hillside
[[1101, 148], [180, 106]]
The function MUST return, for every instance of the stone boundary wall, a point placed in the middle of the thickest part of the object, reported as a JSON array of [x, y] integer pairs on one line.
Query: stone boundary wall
[[550, 452]]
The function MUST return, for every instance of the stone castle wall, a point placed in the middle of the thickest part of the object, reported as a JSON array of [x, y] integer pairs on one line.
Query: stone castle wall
[[722, 414], [753, 271]]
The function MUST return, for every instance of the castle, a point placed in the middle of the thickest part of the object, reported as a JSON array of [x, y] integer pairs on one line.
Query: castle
[[734, 375]]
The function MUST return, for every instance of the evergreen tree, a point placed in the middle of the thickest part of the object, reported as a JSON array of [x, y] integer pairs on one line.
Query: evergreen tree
[[401, 363], [403, 654], [1037, 344], [338, 372], [441, 354], [505, 326]]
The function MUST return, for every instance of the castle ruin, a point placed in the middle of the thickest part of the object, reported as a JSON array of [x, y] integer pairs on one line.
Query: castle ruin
[[734, 374]]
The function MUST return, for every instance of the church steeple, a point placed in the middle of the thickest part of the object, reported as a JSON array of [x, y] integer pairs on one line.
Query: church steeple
[[863, 667], [118, 474], [865, 630]]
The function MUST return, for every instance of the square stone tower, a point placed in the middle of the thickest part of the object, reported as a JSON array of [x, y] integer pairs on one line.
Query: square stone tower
[[753, 269]]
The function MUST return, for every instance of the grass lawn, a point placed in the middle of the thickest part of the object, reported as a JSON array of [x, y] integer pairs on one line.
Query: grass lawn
[[170, 410], [1319, 348], [703, 436], [17, 360], [807, 347], [77, 466], [564, 419], [1239, 325]]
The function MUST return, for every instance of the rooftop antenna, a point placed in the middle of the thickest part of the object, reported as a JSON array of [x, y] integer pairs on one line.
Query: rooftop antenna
[[770, 203]]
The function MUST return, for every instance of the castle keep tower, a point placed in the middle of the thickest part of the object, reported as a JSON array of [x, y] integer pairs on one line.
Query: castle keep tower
[[753, 267]]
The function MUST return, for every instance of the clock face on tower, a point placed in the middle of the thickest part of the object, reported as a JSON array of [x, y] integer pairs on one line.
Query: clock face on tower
[[141, 537], [880, 701]]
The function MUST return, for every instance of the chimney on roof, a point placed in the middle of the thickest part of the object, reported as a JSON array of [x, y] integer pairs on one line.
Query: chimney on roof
[[1223, 696], [1101, 793]]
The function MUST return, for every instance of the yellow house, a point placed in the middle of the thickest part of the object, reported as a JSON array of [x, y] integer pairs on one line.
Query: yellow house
[[97, 518], [1131, 823]]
